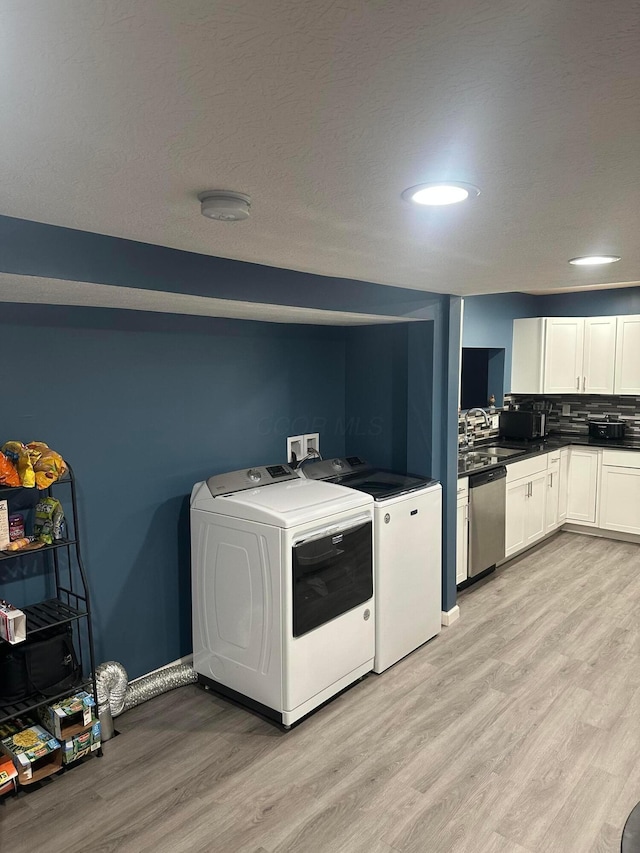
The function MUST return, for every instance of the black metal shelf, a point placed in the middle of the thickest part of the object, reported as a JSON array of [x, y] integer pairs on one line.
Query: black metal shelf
[[60, 543], [21, 709], [48, 614], [70, 604]]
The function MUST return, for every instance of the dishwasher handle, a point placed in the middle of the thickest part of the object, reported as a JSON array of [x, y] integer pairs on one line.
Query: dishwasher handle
[[484, 477]]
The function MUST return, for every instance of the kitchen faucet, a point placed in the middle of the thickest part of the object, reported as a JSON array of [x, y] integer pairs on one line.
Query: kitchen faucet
[[473, 411]]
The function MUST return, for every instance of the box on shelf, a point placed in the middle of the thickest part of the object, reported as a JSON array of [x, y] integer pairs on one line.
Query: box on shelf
[[81, 744], [13, 623], [34, 752], [8, 775], [69, 716], [4, 524]]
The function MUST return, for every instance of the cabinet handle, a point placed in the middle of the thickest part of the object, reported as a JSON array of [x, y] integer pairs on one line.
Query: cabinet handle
[[584, 383], [551, 480], [577, 383], [529, 489]]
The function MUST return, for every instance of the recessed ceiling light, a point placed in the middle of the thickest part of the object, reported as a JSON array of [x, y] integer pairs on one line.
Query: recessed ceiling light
[[440, 193], [224, 205], [594, 260]]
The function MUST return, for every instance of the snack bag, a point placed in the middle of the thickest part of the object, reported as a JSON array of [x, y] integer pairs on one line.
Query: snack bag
[[47, 525], [17, 453], [8, 473], [49, 467]]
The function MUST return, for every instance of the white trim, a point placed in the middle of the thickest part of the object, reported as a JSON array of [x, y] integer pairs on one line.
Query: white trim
[[188, 659], [450, 616], [592, 530]]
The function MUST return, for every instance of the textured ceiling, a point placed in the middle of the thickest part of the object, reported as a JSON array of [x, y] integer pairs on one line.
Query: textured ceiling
[[116, 113]]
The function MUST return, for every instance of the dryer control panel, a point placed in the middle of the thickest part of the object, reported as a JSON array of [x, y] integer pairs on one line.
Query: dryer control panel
[[249, 478]]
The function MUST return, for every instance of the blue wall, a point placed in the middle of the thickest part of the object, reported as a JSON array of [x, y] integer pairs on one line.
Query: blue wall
[[376, 395], [488, 321], [143, 407], [591, 303]]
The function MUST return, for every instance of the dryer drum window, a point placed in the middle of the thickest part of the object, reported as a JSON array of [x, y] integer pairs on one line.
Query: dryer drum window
[[330, 578]]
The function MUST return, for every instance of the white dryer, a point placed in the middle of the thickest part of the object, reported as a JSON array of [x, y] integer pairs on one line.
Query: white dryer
[[407, 552], [282, 586]]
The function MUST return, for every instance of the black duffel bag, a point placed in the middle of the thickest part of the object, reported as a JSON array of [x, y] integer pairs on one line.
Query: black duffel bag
[[46, 664]]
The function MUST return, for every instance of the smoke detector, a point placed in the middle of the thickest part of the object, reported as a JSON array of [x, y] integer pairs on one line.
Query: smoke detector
[[225, 205]]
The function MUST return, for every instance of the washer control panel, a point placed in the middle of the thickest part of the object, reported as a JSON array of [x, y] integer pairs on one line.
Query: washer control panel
[[337, 467]]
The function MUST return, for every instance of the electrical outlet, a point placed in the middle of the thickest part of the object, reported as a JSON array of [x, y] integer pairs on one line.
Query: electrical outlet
[[311, 443], [295, 444], [566, 409]]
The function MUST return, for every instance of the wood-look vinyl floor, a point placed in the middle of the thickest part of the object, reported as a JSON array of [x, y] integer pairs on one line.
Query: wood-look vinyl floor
[[517, 730]]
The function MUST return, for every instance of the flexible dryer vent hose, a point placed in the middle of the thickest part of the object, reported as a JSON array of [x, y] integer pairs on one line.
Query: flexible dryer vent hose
[[115, 695]]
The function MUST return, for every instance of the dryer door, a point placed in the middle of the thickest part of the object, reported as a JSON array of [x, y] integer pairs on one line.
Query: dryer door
[[332, 574]]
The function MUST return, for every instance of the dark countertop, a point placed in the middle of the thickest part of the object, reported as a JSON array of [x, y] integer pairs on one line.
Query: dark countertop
[[528, 449]]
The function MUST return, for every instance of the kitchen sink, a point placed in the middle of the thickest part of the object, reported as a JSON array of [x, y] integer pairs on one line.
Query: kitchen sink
[[501, 451]]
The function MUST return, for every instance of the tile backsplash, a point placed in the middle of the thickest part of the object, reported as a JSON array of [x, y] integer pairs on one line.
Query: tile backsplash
[[477, 430], [584, 407]]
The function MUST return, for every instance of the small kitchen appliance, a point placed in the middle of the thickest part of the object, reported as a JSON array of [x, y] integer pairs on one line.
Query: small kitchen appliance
[[523, 424], [606, 428]]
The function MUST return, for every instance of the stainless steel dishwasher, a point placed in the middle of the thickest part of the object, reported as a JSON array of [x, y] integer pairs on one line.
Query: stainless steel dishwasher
[[487, 503]]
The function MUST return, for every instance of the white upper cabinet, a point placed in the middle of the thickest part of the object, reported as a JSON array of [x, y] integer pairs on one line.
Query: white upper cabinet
[[628, 355], [571, 355], [599, 355], [564, 343], [527, 355]]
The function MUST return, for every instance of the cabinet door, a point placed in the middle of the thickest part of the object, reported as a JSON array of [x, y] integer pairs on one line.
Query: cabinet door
[[563, 485], [462, 541], [536, 508], [563, 355], [599, 356], [627, 374], [620, 499], [516, 509], [583, 485], [527, 356], [552, 510]]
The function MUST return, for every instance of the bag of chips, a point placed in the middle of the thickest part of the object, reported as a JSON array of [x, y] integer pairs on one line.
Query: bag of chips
[[48, 522], [48, 465], [16, 452], [8, 474]]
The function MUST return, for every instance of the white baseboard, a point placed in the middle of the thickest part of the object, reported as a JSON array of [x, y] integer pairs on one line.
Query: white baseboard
[[448, 617], [620, 536], [188, 659]]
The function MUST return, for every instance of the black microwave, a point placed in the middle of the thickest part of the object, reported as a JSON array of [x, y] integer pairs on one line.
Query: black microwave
[[518, 423]]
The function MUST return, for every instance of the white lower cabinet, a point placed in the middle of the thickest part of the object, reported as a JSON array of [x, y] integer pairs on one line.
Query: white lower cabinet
[[526, 511], [553, 494], [563, 485], [462, 530], [582, 499], [620, 491]]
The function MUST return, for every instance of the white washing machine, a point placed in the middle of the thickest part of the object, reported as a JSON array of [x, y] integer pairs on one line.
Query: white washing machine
[[407, 552], [282, 586]]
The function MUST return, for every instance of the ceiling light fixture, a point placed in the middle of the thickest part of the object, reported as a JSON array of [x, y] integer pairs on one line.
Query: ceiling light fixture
[[594, 260], [440, 193], [225, 205]]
